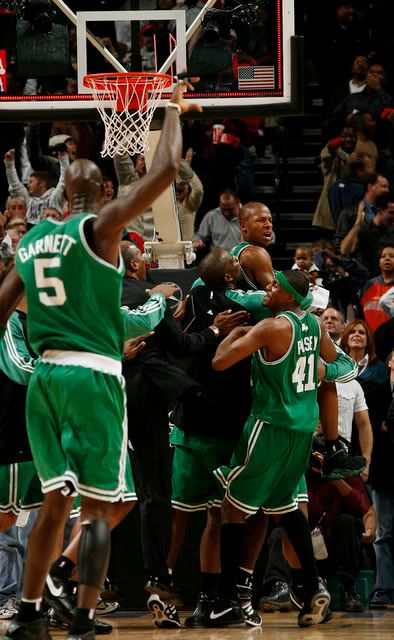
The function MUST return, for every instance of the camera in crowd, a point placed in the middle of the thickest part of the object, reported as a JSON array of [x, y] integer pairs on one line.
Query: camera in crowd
[[217, 23]]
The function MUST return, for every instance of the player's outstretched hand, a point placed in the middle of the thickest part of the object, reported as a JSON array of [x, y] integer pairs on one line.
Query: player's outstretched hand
[[10, 155], [226, 321], [167, 289], [177, 96]]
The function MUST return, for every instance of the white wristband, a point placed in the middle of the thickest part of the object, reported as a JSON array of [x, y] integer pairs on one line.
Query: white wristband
[[173, 105]]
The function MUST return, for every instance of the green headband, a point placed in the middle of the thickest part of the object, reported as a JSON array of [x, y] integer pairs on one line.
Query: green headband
[[304, 302]]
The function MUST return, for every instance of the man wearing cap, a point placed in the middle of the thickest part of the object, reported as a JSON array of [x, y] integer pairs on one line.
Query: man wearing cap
[[274, 450]]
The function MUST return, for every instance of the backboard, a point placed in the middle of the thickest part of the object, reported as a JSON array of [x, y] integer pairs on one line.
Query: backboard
[[245, 55]]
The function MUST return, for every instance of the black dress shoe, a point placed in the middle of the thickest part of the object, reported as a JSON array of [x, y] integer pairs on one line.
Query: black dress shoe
[[278, 599], [352, 601]]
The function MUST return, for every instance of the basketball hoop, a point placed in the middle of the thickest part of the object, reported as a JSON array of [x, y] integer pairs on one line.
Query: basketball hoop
[[126, 103]]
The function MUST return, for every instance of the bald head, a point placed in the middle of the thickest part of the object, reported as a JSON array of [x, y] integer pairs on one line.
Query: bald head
[[134, 261], [255, 220], [219, 269], [83, 179]]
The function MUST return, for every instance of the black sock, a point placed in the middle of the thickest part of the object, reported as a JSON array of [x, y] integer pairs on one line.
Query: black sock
[[231, 539], [245, 578], [83, 621], [209, 584], [297, 529], [297, 577], [62, 568], [28, 611]]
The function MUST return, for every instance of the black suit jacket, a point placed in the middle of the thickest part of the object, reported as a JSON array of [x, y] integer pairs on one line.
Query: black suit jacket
[[152, 372]]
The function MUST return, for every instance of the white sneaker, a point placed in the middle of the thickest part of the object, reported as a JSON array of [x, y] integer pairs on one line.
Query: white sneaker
[[8, 610], [104, 607], [165, 615]]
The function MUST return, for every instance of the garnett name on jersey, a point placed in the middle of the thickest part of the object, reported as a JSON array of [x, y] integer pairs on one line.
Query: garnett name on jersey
[[308, 343], [58, 243]]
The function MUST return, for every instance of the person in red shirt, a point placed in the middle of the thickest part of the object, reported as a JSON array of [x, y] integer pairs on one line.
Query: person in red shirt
[[376, 288]]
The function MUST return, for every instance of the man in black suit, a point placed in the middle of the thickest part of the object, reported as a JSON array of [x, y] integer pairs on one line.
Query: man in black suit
[[152, 383]]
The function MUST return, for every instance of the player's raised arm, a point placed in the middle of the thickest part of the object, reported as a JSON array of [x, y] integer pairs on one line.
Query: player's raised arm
[[114, 216], [11, 291]]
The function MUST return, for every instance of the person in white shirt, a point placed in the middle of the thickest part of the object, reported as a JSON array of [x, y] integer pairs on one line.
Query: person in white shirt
[[334, 323]]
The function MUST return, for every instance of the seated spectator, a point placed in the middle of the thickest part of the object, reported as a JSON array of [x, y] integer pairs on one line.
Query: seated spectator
[[189, 193], [386, 303], [15, 207], [15, 229], [39, 193], [318, 247], [352, 217], [303, 261], [374, 289], [346, 190], [357, 341], [342, 510], [382, 483], [219, 228], [109, 190], [148, 54], [333, 161]]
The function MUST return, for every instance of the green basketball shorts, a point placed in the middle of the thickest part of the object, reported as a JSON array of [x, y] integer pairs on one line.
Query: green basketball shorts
[[20, 488], [266, 469], [77, 427], [194, 487]]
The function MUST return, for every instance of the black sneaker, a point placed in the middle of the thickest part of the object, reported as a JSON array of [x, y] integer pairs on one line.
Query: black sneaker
[[36, 630], [200, 616], [278, 598], [252, 618], [226, 613], [61, 598], [339, 464], [165, 590], [352, 601], [315, 606]]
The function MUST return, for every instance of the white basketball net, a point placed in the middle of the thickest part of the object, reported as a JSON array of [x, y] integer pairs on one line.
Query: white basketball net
[[126, 109]]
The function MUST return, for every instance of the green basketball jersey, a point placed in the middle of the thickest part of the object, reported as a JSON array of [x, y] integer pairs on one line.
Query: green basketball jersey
[[73, 296], [244, 283], [284, 391]]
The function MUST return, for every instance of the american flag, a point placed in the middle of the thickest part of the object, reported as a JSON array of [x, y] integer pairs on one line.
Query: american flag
[[256, 78]]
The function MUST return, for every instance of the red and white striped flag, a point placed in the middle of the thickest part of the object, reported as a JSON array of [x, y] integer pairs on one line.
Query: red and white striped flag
[[250, 77]]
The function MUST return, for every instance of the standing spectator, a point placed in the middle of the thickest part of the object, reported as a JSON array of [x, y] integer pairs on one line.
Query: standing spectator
[[39, 193], [220, 227], [382, 482], [128, 174], [344, 191], [376, 288], [352, 217], [356, 83], [365, 126], [373, 98], [334, 158], [189, 193]]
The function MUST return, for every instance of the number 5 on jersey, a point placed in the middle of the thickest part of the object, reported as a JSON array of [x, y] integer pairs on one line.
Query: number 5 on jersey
[[58, 298]]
